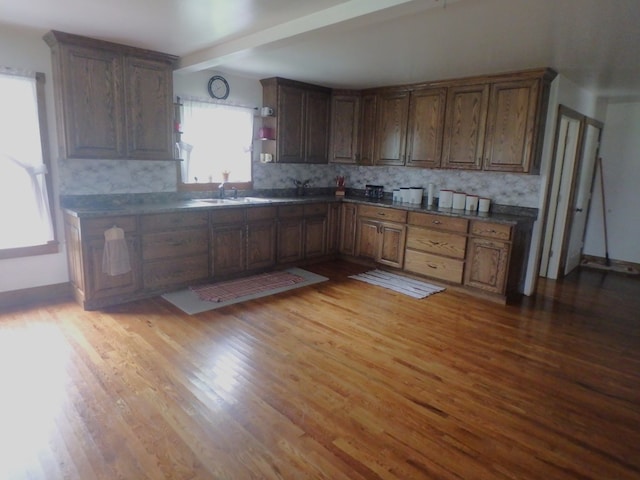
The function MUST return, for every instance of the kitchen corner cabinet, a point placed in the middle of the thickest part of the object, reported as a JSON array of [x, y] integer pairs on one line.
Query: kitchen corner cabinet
[[85, 244], [367, 129], [301, 123], [112, 101], [381, 234]]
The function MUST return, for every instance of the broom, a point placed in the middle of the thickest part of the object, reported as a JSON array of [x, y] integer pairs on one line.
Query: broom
[[607, 261]]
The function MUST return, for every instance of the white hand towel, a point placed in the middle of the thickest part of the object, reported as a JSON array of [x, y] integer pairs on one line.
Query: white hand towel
[[115, 260]]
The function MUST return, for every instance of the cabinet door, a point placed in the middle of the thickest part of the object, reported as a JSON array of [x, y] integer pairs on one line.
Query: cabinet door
[[315, 237], [347, 242], [227, 250], [149, 92], [290, 132], [290, 240], [91, 103], [261, 244], [333, 228], [391, 129], [465, 126], [392, 240], [425, 129], [367, 244], [317, 127], [487, 263], [510, 126], [366, 140], [345, 117], [100, 285]]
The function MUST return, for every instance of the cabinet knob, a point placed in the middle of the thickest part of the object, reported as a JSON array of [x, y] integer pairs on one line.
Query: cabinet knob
[[436, 222]]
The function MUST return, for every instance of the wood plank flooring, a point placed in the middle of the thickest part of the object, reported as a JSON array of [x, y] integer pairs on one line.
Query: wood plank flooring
[[340, 380]]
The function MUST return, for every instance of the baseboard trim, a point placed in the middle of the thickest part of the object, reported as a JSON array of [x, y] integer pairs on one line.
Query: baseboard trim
[[35, 295]]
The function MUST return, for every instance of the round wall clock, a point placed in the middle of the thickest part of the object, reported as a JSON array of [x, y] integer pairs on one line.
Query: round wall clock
[[218, 87]]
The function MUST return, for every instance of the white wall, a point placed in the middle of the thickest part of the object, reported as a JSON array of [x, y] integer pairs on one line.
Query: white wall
[[25, 49], [620, 152]]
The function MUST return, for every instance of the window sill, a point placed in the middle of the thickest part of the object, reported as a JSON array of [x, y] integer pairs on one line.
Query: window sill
[[47, 249], [213, 187]]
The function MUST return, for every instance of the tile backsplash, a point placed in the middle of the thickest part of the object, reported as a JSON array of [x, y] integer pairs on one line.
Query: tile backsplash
[[93, 177]]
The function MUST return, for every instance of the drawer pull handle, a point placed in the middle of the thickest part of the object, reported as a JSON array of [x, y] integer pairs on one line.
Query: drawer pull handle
[[436, 222], [382, 214], [432, 266]]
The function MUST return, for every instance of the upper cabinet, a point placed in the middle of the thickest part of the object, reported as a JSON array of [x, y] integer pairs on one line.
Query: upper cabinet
[[301, 121], [112, 101], [345, 119], [425, 127], [465, 126], [391, 127]]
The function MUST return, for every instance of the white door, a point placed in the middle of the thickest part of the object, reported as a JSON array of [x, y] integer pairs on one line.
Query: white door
[[565, 158], [580, 207]]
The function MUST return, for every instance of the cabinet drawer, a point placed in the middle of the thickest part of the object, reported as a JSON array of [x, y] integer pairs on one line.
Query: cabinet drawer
[[260, 213], [491, 230], [441, 222], [227, 215], [435, 266], [170, 221], [97, 226], [287, 211], [175, 272], [315, 209], [435, 241], [389, 214], [174, 244]]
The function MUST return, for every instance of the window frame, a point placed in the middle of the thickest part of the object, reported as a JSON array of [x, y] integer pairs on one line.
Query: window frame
[[210, 186], [53, 246]]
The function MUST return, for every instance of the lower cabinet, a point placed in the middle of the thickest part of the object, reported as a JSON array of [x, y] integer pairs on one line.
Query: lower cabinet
[[488, 257], [347, 231], [381, 234], [92, 287], [174, 249], [242, 239], [302, 232], [436, 246]]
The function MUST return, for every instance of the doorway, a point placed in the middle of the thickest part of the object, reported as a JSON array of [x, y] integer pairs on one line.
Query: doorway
[[576, 149]]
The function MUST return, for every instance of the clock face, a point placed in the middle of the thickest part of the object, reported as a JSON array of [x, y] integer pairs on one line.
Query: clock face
[[218, 87]]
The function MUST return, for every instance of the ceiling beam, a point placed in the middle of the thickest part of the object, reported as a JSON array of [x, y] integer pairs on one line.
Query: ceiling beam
[[211, 57]]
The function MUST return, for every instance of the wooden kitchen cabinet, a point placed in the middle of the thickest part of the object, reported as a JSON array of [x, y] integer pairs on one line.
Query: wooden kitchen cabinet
[[175, 249], [381, 234], [112, 101], [465, 123], [348, 223], [345, 119], [391, 127], [301, 122], [333, 228], [367, 129], [92, 287], [302, 232], [425, 127], [261, 238], [488, 256], [436, 246]]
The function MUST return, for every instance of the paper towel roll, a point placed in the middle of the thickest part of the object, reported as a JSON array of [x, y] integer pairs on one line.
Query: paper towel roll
[[430, 191]]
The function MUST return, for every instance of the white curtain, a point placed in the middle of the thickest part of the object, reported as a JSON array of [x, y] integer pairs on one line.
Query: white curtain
[[25, 218], [217, 138]]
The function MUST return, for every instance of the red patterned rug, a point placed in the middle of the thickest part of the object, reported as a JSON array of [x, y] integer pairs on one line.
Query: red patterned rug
[[224, 291]]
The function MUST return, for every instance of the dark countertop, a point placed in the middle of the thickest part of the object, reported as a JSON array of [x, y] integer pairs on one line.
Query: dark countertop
[[499, 213]]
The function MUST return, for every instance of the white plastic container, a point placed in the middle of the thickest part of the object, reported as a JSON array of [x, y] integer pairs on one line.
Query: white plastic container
[[484, 204], [405, 194], [415, 195], [446, 199], [471, 204], [459, 200]]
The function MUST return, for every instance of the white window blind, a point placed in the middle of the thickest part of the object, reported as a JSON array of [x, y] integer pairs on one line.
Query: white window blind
[[25, 215], [216, 138]]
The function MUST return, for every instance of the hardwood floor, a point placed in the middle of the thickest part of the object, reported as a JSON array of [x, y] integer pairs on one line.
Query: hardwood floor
[[340, 380]]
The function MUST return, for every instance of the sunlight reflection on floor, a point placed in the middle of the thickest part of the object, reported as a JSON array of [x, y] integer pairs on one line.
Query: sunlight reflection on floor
[[33, 376]]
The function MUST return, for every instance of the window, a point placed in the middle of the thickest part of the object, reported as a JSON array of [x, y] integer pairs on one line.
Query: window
[[216, 143], [25, 211]]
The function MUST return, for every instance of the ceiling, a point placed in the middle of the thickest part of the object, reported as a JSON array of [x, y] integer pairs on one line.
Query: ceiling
[[366, 43]]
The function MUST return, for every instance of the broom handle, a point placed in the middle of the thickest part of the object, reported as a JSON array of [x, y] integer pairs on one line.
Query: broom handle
[[604, 213]]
